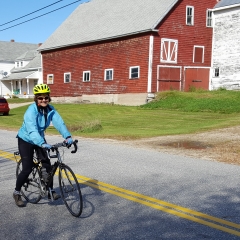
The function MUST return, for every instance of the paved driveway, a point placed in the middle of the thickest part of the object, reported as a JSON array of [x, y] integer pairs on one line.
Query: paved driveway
[[15, 105]]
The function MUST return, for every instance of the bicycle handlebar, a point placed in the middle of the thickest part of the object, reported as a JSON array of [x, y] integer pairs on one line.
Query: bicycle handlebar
[[64, 144]]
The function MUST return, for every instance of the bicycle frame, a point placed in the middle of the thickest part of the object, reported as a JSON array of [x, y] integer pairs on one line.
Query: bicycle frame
[[56, 165], [37, 186], [44, 187]]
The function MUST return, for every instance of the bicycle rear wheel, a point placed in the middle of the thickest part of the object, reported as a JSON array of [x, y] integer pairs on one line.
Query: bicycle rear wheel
[[70, 190], [31, 188]]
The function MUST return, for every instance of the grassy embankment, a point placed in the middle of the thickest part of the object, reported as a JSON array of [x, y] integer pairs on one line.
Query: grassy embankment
[[171, 113]]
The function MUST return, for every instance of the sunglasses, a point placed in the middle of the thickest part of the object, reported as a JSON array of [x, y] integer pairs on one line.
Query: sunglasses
[[41, 98]]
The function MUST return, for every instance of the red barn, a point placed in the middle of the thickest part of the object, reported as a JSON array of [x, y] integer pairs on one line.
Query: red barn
[[124, 51]]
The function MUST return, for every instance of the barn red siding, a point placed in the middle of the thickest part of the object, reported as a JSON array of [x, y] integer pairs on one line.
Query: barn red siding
[[174, 27], [122, 53], [118, 55]]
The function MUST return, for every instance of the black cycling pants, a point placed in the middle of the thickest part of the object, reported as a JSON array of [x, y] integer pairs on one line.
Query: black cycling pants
[[26, 151]]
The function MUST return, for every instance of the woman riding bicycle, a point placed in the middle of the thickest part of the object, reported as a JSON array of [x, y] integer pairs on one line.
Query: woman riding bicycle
[[31, 138]]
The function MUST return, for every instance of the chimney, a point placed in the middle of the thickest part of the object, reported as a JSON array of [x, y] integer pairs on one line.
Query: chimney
[[12, 40], [39, 44]]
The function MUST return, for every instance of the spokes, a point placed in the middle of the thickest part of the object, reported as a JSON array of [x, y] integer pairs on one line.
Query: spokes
[[70, 191], [31, 188]]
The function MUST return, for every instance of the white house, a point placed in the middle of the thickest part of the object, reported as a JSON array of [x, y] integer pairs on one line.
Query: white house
[[20, 68], [226, 45], [26, 73]]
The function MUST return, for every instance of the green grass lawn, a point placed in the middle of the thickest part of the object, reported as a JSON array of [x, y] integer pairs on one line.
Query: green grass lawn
[[172, 113]]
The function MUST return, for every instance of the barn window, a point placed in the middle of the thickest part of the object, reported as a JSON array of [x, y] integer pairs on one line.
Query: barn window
[[86, 76], [190, 15], [209, 18], [216, 72], [108, 75], [198, 54], [169, 50], [67, 77], [134, 72], [50, 79]]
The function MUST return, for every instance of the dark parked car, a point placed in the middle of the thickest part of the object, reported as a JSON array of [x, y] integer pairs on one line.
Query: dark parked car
[[4, 108]]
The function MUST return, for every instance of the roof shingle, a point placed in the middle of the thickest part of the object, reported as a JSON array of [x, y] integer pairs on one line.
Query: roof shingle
[[224, 3], [9, 51], [98, 20]]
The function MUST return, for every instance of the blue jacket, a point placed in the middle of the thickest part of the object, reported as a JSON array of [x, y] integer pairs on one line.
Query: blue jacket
[[35, 123]]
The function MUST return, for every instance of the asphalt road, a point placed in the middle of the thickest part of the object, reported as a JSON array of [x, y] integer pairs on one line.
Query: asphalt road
[[139, 194]]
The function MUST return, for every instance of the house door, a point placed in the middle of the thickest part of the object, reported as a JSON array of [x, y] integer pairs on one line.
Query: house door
[[169, 78], [196, 78]]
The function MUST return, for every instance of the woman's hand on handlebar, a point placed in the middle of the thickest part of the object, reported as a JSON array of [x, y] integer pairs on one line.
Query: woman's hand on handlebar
[[46, 146], [69, 141]]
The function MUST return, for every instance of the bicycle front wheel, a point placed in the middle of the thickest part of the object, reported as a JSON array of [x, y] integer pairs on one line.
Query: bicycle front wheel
[[31, 188], [70, 190]]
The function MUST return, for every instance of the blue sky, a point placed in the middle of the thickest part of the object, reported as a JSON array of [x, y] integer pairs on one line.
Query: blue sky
[[37, 30]]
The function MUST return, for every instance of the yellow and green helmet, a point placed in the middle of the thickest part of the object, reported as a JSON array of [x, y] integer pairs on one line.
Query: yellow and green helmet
[[41, 89]]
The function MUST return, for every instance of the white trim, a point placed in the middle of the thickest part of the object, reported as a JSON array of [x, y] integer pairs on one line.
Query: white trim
[[150, 62], [41, 69], [50, 75], [67, 73], [105, 74], [192, 22], [226, 7], [130, 72], [197, 46], [28, 91], [209, 18], [89, 75], [169, 54], [209, 80], [158, 66], [195, 67]]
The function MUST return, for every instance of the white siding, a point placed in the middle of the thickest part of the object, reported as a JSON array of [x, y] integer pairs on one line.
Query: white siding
[[226, 49], [6, 67], [5, 87]]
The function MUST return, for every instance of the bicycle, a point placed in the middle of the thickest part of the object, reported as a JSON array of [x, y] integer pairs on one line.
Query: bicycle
[[37, 186]]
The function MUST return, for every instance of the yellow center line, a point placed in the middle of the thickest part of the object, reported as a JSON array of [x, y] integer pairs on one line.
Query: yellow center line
[[153, 203], [150, 199], [161, 205]]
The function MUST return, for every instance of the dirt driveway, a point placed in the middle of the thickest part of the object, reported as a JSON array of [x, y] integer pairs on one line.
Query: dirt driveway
[[219, 145]]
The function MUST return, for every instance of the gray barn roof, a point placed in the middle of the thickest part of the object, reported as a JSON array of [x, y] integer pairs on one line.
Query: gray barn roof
[[225, 3], [106, 19], [9, 51]]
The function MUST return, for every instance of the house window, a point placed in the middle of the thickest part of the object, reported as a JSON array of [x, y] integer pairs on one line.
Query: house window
[[50, 79], [216, 72], [169, 50], [134, 72], [108, 74], [67, 77], [86, 76], [209, 18], [190, 15], [198, 54], [21, 64], [17, 64]]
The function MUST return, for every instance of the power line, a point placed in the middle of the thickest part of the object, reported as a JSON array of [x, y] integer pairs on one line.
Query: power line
[[30, 13], [38, 16]]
